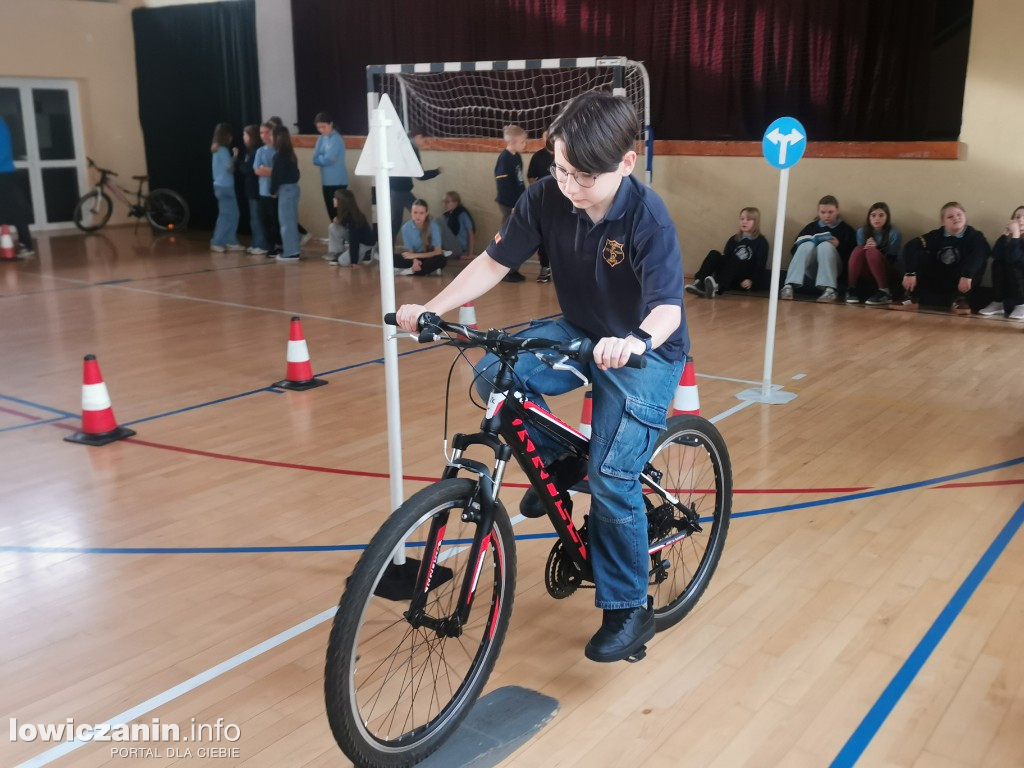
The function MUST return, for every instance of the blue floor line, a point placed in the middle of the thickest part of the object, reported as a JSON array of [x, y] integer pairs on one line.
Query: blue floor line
[[883, 707], [34, 424], [37, 406], [520, 537], [66, 415]]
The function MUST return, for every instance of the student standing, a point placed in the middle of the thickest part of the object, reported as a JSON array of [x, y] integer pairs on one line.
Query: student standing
[[329, 157], [508, 176], [284, 185], [225, 231], [251, 139], [540, 168]]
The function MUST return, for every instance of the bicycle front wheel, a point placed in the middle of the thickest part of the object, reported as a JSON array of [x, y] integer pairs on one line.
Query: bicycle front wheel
[[166, 209], [694, 465], [92, 210], [397, 682]]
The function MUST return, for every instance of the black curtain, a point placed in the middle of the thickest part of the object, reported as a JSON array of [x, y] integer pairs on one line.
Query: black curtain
[[197, 66], [720, 69]]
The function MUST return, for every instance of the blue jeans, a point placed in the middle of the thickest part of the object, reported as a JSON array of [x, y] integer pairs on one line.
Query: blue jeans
[[288, 214], [630, 405], [259, 237], [225, 232]]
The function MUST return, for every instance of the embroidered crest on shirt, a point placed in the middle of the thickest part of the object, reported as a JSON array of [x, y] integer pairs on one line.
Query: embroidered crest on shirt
[[614, 253]]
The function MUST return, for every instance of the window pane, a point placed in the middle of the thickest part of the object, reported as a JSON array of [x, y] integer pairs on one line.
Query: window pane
[[53, 124], [10, 111], [60, 190]]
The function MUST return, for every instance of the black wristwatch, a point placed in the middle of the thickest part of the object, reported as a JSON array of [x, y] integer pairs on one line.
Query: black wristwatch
[[644, 336]]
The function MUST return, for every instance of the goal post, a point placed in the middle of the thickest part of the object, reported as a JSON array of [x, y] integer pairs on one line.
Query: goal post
[[465, 105]]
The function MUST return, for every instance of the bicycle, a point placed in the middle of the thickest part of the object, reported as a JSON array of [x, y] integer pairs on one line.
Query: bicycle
[[414, 640], [165, 209]]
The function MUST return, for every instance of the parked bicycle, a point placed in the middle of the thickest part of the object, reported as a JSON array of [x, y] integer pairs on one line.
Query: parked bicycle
[[415, 638], [164, 209]]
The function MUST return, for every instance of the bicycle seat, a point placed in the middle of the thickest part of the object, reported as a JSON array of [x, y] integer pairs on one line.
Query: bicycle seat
[[140, 178]]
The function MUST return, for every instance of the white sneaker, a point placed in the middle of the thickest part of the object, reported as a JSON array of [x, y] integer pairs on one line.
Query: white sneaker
[[404, 272], [305, 238], [1018, 312], [234, 247], [786, 294], [828, 296], [256, 251], [994, 309], [217, 248]]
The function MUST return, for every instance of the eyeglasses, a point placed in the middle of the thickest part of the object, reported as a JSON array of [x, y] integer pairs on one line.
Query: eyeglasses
[[582, 179]]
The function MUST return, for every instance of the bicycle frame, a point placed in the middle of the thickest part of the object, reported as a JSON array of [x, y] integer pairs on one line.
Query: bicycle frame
[[504, 431]]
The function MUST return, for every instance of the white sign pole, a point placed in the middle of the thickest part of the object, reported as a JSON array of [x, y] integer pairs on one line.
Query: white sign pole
[[773, 298], [385, 249]]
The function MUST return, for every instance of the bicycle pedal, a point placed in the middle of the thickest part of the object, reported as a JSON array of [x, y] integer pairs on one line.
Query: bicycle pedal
[[639, 655]]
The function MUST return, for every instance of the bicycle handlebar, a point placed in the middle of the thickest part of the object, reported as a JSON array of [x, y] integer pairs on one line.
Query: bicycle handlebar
[[104, 171], [503, 344]]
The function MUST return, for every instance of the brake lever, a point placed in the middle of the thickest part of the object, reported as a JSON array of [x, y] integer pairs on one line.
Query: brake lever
[[560, 365]]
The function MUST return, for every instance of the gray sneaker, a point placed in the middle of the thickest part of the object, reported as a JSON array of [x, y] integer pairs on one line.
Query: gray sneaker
[[694, 288], [786, 294], [828, 296], [880, 299], [851, 298], [710, 287]]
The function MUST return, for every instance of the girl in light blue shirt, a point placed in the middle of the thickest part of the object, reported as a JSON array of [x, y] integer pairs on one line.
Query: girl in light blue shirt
[[329, 156], [225, 232], [421, 254]]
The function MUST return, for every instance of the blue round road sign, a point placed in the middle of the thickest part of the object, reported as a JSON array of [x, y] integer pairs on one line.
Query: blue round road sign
[[784, 143]]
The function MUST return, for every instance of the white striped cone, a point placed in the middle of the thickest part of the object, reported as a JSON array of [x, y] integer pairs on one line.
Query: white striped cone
[[6, 244], [299, 374], [588, 413], [99, 426], [687, 399], [467, 315]]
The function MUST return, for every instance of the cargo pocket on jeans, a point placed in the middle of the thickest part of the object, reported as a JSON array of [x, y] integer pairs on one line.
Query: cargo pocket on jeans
[[634, 439]]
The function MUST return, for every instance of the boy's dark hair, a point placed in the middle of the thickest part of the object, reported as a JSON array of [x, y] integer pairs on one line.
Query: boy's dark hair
[[598, 129], [323, 117], [829, 200]]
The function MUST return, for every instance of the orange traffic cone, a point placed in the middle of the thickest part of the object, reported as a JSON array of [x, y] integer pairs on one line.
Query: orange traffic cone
[[687, 400], [99, 426], [299, 375], [7, 252], [588, 413], [467, 315]]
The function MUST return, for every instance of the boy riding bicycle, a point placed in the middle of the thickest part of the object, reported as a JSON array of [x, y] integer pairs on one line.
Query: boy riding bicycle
[[619, 279]]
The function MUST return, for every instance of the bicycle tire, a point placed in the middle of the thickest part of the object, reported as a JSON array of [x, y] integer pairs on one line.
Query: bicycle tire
[[166, 210], [92, 211], [695, 466], [383, 710]]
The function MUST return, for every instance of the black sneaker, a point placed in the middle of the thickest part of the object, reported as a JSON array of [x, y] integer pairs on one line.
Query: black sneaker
[[623, 635], [545, 275], [879, 299], [696, 288], [567, 470], [513, 277]]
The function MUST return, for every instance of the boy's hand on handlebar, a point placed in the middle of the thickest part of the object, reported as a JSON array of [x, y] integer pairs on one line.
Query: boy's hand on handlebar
[[408, 315], [611, 352]]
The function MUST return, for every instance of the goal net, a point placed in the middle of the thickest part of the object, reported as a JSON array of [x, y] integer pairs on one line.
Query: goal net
[[465, 106]]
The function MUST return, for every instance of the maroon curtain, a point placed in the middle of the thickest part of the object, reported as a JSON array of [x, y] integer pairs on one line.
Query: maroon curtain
[[720, 69]]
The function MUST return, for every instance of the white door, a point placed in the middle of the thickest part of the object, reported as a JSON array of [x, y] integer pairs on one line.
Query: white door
[[44, 119]]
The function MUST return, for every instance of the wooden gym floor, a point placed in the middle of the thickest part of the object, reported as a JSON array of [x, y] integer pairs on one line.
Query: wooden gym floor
[[869, 605]]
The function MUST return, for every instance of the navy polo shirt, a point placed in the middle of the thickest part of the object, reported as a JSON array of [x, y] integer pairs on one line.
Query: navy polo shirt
[[608, 275]]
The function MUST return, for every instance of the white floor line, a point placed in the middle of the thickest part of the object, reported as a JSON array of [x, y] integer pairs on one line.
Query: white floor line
[[726, 378], [235, 661], [162, 294], [180, 690]]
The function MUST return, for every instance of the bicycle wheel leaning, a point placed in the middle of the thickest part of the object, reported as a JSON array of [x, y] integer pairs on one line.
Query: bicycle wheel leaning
[[92, 210], [394, 688], [693, 464], [166, 209]]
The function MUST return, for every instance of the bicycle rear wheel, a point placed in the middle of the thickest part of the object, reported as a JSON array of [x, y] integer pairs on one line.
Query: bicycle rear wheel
[[395, 689], [694, 465], [166, 209], [92, 210]]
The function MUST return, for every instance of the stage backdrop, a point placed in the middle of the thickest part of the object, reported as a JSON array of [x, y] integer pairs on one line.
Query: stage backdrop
[[197, 66], [720, 69]]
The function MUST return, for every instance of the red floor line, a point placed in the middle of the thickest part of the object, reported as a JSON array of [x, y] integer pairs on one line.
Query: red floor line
[[986, 484], [28, 416]]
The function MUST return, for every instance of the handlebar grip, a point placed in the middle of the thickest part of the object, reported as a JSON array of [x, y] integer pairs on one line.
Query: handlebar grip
[[636, 361], [391, 318], [586, 352]]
